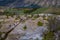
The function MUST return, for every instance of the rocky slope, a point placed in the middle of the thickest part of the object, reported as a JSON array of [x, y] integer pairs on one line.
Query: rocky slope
[[30, 3]]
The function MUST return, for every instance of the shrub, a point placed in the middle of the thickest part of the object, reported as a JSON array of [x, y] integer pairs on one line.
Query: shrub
[[49, 36], [40, 23], [0, 25], [25, 27], [36, 16]]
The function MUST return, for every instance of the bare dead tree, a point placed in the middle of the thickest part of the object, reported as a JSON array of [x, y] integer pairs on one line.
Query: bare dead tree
[[7, 33]]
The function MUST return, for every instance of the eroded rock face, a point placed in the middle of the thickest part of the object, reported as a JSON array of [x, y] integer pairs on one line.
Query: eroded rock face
[[45, 2]]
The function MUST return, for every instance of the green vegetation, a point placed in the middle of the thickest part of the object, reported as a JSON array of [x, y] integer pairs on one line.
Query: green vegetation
[[58, 25], [40, 23], [23, 11], [29, 11], [35, 17], [53, 26], [53, 11], [25, 27], [39, 10], [49, 36], [0, 34], [19, 11], [11, 12], [8, 14], [0, 24], [32, 11], [58, 28]]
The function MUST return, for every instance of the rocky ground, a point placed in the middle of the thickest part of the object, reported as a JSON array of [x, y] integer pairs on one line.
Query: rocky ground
[[27, 28]]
